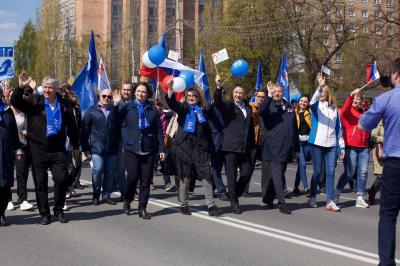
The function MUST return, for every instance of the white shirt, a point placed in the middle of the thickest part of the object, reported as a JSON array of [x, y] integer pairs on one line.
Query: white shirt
[[242, 107]]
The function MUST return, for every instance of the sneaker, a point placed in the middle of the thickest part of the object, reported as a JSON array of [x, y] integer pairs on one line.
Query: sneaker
[[10, 206], [78, 185], [68, 195], [360, 202], [223, 197], [25, 206], [287, 194], [66, 207], [312, 202], [136, 196], [170, 188], [214, 211], [296, 192], [331, 207]]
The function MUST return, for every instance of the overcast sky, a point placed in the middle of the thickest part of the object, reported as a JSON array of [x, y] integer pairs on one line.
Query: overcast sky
[[13, 16]]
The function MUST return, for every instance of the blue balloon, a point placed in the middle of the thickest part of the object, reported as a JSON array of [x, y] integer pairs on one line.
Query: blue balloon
[[240, 68], [188, 76], [157, 54]]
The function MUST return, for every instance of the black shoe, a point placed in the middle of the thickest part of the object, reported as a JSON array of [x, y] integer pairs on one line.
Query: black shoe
[[95, 200], [45, 220], [122, 198], [296, 192], [371, 197], [287, 194], [246, 195], [127, 208], [3, 221], [185, 210], [214, 211], [223, 197], [270, 206], [236, 209], [60, 217], [143, 214], [109, 201], [283, 209]]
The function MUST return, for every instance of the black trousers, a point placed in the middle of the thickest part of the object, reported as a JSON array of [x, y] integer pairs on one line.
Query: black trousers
[[389, 210], [257, 156], [55, 161], [75, 170], [376, 186], [22, 173], [233, 161], [139, 168], [5, 194], [272, 177]]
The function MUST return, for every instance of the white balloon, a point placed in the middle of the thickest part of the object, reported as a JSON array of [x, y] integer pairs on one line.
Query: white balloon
[[146, 60], [179, 84]]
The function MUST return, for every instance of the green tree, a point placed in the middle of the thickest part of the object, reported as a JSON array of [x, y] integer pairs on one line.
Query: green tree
[[25, 50]]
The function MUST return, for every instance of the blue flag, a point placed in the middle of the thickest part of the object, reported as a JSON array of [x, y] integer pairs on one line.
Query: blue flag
[[283, 78], [86, 82], [203, 83], [6, 70], [163, 42], [258, 81]]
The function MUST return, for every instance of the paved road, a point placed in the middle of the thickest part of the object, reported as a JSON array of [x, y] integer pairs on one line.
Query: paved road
[[103, 235]]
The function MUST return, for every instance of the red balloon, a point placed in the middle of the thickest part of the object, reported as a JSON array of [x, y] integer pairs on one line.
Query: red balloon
[[164, 83]]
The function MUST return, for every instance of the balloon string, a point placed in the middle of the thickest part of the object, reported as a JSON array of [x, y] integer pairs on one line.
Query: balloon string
[[226, 79]]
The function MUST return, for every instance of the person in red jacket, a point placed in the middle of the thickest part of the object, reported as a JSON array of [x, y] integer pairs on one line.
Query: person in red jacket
[[356, 142]]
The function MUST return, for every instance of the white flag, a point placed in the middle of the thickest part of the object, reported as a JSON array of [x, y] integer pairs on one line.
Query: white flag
[[103, 82], [220, 56], [325, 70], [173, 55]]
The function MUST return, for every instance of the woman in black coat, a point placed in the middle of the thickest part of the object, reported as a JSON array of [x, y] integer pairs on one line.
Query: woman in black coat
[[9, 144], [191, 147], [142, 139]]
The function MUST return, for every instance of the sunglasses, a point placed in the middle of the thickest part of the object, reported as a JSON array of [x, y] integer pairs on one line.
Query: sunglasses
[[109, 97]]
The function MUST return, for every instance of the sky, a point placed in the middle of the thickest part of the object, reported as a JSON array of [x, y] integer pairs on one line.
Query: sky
[[13, 16]]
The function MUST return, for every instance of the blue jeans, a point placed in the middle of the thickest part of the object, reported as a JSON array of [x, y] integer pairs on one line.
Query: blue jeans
[[319, 155], [304, 156], [102, 174], [356, 158]]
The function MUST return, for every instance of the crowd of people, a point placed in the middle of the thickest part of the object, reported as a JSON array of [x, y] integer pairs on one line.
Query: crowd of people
[[129, 133]]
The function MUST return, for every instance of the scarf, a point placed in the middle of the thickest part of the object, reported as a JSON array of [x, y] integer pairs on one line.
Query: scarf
[[1, 110], [143, 122], [190, 122], [54, 119]]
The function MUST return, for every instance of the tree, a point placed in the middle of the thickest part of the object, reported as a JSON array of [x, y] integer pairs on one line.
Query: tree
[[26, 50]]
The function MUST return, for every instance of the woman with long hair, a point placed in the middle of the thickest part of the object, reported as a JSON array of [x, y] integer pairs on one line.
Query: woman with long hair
[[191, 147], [325, 136], [303, 118], [142, 139]]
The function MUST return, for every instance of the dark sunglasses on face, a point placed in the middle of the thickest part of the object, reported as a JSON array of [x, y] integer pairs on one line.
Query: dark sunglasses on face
[[109, 97]]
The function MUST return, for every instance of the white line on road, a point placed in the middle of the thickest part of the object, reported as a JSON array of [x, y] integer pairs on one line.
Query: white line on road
[[275, 233]]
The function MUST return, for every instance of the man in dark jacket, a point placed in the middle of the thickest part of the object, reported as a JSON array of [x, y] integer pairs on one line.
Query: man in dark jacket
[[280, 142], [238, 142], [99, 142], [49, 122], [9, 143]]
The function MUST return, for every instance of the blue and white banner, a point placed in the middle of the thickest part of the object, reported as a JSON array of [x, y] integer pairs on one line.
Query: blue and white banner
[[6, 63]]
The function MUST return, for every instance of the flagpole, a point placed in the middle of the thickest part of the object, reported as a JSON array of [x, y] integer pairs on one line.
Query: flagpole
[[363, 87], [215, 66], [226, 79]]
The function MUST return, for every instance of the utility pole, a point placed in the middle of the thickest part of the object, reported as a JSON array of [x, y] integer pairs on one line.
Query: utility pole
[[179, 29]]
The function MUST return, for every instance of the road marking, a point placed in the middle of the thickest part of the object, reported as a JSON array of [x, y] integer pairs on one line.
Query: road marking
[[275, 233], [272, 232]]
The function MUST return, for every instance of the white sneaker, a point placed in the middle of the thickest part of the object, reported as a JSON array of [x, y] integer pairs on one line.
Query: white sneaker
[[10, 206], [312, 202], [66, 207], [25, 206], [68, 195], [331, 207], [360, 202]]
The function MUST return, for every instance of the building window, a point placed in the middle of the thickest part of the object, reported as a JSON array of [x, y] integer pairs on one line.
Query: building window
[[364, 13], [326, 41], [339, 57], [377, 2], [364, 1], [378, 44], [389, 30], [352, 27], [115, 26], [389, 2], [151, 28], [351, 12], [364, 29], [339, 27], [378, 29], [389, 15], [116, 9], [378, 14]]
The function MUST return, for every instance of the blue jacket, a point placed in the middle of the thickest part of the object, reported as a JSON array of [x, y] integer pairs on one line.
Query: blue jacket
[[134, 139], [99, 135]]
